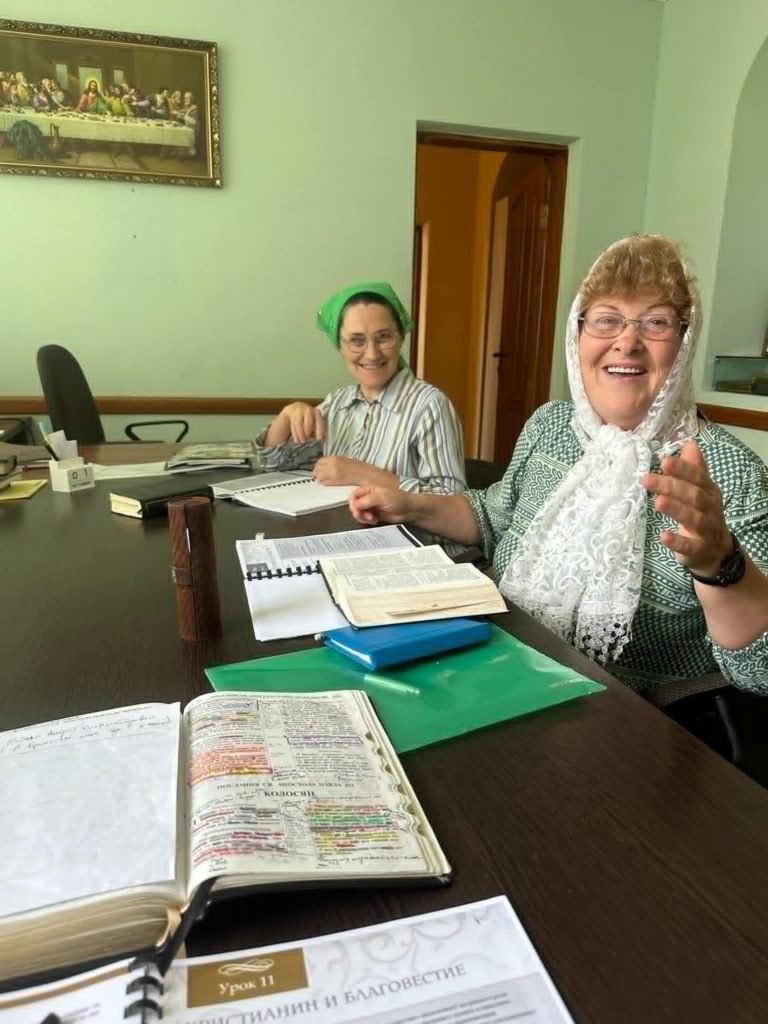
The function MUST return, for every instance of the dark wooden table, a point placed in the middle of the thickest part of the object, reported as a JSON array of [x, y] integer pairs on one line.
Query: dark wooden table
[[636, 858]]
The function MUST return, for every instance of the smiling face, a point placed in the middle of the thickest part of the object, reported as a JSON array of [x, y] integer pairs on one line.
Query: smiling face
[[370, 342], [623, 375]]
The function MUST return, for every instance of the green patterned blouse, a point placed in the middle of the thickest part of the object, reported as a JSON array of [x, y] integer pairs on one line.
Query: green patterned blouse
[[669, 636]]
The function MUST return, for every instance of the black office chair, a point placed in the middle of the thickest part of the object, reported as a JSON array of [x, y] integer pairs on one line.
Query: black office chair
[[730, 721], [71, 406], [481, 474], [699, 705]]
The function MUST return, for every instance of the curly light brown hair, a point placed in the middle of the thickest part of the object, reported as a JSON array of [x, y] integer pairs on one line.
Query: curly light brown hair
[[642, 264]]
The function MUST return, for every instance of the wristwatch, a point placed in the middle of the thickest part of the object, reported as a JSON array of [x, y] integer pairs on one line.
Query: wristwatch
[[731, 569]]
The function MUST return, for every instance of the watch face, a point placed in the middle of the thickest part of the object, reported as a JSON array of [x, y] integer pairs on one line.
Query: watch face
[[732, 568]]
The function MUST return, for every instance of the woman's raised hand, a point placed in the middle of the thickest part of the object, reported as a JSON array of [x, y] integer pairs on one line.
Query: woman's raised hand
[[686, 493], [372, 505], [300, 421]]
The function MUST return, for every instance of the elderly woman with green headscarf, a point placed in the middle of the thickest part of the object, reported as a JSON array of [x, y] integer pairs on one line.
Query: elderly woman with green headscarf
[[388, 428]]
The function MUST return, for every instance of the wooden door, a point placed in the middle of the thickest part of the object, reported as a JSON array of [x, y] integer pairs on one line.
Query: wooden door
[[535, 197]]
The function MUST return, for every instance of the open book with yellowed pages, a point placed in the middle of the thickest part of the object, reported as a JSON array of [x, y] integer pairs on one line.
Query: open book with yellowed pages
[[212, 456], [111, 822], [413, 585], [473, 962]]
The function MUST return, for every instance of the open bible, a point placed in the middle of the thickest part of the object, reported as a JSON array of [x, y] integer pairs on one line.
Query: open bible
[[411, 585], [284, 588], [111, 822], [194, 457]]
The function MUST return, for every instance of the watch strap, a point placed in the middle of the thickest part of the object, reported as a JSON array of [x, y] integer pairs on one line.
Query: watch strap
[[731, 568]]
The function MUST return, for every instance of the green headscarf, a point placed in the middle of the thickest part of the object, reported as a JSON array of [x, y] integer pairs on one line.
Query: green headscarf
[[329, 314]]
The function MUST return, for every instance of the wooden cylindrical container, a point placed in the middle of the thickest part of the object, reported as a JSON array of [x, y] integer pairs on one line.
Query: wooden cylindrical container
[[193, 568]]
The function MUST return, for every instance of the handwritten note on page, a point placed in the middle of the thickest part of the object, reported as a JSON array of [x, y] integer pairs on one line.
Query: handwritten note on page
[[89, 805]]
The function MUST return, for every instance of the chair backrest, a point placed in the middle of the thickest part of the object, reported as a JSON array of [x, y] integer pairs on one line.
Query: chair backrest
[[481, 474], [71, 406]]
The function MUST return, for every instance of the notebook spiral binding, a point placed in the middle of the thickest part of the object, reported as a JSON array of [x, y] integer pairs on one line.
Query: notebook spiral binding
[[148, 1004], [274, 487], [278, 574]]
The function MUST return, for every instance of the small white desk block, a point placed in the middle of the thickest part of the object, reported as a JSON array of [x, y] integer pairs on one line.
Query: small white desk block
[[71, 475]]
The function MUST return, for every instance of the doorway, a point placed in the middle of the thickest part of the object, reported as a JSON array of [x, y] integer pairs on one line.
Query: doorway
[[488, 229]]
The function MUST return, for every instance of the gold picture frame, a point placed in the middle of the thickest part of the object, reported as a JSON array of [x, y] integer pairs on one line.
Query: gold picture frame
[[113, 106]]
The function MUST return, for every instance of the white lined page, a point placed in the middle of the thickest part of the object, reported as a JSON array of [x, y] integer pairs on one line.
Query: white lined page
[[88, 805], [296, 497], [291, 606]]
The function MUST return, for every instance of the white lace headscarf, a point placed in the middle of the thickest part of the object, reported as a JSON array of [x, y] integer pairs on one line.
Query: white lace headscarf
[[579, 566]]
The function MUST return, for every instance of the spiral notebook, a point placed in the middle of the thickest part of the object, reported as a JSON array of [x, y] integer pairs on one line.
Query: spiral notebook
[[286, 593], [125, 990], [254, 482], [293, 495]]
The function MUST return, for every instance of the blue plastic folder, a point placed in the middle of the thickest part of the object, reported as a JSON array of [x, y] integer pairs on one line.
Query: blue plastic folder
[[378, 647], [430, 700]]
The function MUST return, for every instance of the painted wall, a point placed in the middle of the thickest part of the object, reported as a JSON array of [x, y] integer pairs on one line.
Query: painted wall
[[756, 439], [707, 50], [740, 303], [172, 291], [201, 428]]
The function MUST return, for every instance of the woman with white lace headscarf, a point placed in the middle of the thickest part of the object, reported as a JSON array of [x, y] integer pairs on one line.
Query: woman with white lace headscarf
[[626, 523]]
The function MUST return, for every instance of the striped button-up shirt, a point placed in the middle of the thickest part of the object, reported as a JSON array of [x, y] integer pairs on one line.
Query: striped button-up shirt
[[410, 429]]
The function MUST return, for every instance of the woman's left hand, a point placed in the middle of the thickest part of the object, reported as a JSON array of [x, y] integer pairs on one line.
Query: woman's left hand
[[686, 493], [338, 469]]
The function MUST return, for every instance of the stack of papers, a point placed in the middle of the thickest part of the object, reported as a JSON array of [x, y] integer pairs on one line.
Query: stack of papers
[[25, 454], [9, 470], [129, 471]]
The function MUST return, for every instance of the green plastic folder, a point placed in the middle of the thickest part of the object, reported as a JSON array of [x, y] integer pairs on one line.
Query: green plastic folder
[[426, 701]]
